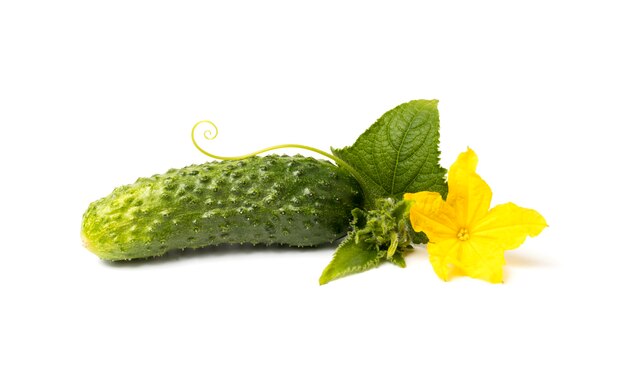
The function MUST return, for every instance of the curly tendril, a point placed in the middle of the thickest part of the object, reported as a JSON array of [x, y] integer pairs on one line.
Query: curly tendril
[[208, 135], [211, 134]]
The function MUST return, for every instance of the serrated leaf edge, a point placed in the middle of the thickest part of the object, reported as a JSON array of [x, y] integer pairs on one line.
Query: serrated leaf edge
[[352, 269]]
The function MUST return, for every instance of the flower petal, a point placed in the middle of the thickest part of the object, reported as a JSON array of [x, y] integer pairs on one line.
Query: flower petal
[[469, 194], [481, 259], [474, 258], [443, 257], [431, 215], [508, 225]]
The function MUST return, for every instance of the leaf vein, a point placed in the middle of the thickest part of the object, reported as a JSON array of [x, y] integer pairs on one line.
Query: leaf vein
[[406, 132]]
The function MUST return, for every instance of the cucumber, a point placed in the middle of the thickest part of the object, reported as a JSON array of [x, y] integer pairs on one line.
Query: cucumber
[[290, 200]]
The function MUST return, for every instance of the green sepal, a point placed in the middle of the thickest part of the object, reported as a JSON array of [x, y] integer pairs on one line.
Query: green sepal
[[359, 218], [398, 259], [416, 237]]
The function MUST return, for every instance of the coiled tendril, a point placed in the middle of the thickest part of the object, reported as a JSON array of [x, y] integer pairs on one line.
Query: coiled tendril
[[211, 134]]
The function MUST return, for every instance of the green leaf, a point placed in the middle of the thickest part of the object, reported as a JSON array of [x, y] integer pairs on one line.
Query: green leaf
[[349, 258], [399, 153]]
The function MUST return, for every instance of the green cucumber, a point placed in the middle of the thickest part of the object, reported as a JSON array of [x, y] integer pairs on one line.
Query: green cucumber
[[291, 200]]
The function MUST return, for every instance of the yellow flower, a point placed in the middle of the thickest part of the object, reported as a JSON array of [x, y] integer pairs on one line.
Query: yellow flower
[[466, 237]]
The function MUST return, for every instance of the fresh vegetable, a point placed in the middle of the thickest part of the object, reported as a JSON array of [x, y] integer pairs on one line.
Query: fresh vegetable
[[302, 201], [297, 201]]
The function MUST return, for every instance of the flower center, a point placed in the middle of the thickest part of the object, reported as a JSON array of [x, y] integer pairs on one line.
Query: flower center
[[463, 234]]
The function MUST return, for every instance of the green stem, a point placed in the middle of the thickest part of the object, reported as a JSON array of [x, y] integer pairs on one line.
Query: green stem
[[211, 136]]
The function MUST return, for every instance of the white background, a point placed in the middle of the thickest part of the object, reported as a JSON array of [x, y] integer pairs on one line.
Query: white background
[[94, 95]]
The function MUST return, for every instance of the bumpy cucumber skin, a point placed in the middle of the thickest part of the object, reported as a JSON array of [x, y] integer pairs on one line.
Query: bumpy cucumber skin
[[292, 200]]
